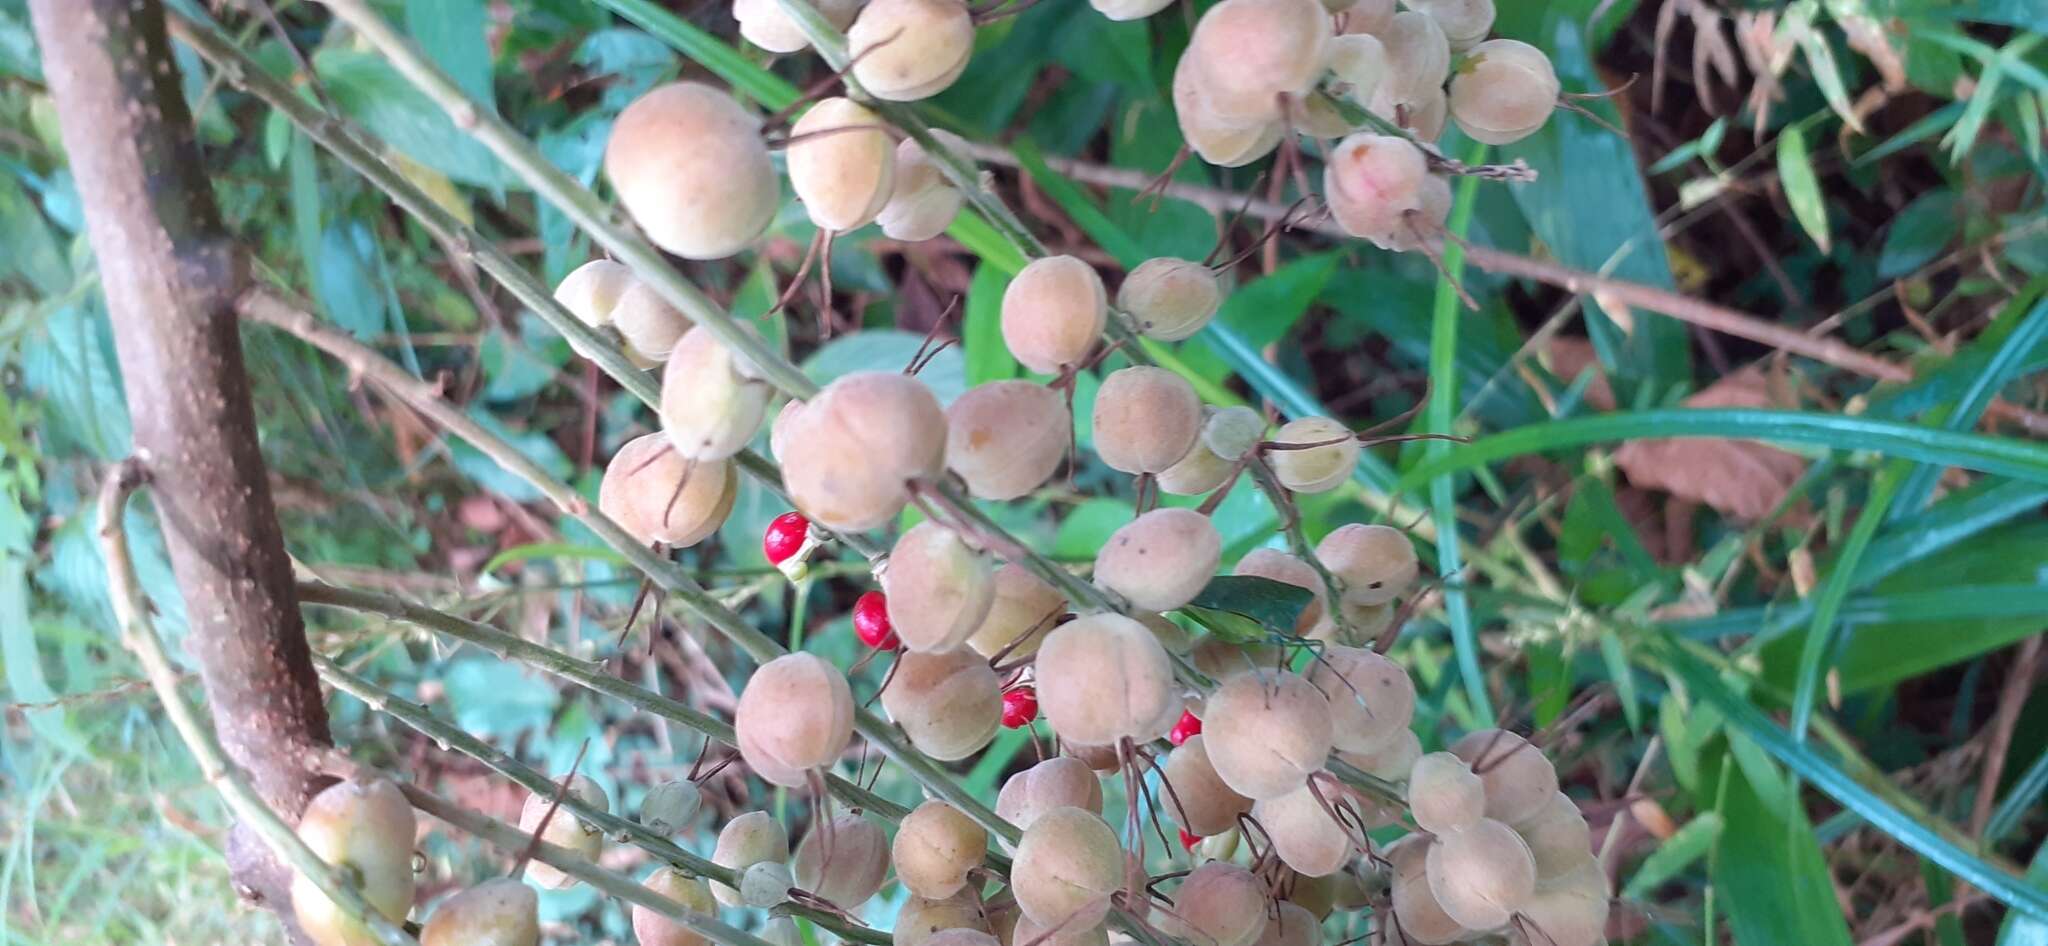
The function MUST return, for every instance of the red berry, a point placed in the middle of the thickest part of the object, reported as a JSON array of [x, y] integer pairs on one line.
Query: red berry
[[871, 622], [1189, 840], [1189, 725], [784, 536], [1020, 707]]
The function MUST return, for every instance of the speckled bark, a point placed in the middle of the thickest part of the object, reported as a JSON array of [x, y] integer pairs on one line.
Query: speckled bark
[[170, 274]]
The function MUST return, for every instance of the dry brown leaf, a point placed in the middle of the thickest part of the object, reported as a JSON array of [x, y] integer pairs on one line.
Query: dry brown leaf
[[1568, 356], [1739, 478]]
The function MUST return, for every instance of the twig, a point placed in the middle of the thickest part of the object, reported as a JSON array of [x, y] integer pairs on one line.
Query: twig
[[138, 633], [2011, 699]]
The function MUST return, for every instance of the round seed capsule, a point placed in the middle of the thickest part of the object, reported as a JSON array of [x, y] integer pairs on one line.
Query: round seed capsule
[[502, 912], [1198, 472], [842, 164], [1370, 181], [1568, 911], [1219, 658], [1058, 782], [1104, 677], [779, 429], [1558, 838], [752, 838], [1146, 419], [1359, 64], [1292, 925], [1464, 22], [1422, 918], [653, 929], [1504, 91], [848, 868], [689, 164], [1160, 560], [1318, 468], [1006, 438], [935, 847], [854, 446], [1100, 759], [1022, 613], [650, 326], [1170, 298], [1305, 836], [1374, 563], [1481, 875], [1363, 623], [1315, 896], [1425, 114], [924, 202], [1418, 55], [1220, 904], [1174, 638], [1426, 221], [1027, 933], [906, 50], [1200, 802], [670, 807], [367, 827], [1392, 761], [920, 919], [1067, 865], [1128, 9], [763, 23], [765, 884], [1053, 311], [1372, 698], [712, 400], [592, 290], [1279, 566], [939, 589], [795, 714], [565, 829], [1248, 53], [1519, 779], [1364, 16], [1233, 431], [950, 703], [1268, 731], [1444, 794], [962, 937], [1219, 142], [657, 495]]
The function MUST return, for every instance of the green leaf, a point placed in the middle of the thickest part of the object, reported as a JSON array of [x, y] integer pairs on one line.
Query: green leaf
[[764, 87], [366, 88], [1770, 867], [1438, 417], [1802, 187], [981, 330], [1820, 636], [1227, 625], [2028, 930], [1918, 234], [27, 244], [1086, 528], [1685, 846], [451, 32], [553, 551], [1274, 605]]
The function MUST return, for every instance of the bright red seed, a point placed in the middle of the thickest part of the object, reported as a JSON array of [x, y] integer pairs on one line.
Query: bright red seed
[[784, 536], [871, 622], [1020, 707], [1189, 725], [1189, 840]]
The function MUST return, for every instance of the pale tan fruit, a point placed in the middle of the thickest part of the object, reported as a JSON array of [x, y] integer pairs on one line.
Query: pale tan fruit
[[1101, 759], [1464, 22], [1558, 838], [846, 869], [1160, 560], [794, 715], [1170, 298], [366, 830], [1372, 699], [1520, 780], [653, 929], [1305, 835], [920, 919], [565, 829], [657, 495], [1365, 16], [1104, 677], [1220, 658], [1444, 794], [1173, 637], [1426, 221], [1292, 925], [1568, 911], [962, 937], [905, 50], [779, 429], [1425, 115], [1129, 9], [1219, 142], [1006, 438], [765, 884], [1504, 91], [1067, 865], [939, 588], [1370, 181], [752, 838], [1416, 909], [712, 400], [1146, 419], [1282, 567], [1315, 895], [781, 931], [935, 847], [1058, 782], [1392, 761], [1318, 468], [1248, 53], [763, 23], [950, 703], [1023, 612], [924, 202], [1267, 731], [502, 912], [1199, 801], [648, 324], [842, 164], [689, 164], [1418, 55], [1221, 904], [1358, 66], [671, 806], [1363, 623], [1375, 564], [850, 452], [592, 290], [1053, 311], [1198, 472], [1027, 933], [1233, 431], [1481, 875]]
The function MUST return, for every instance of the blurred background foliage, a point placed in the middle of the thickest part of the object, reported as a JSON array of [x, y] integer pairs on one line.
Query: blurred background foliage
[[1868, 169]]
